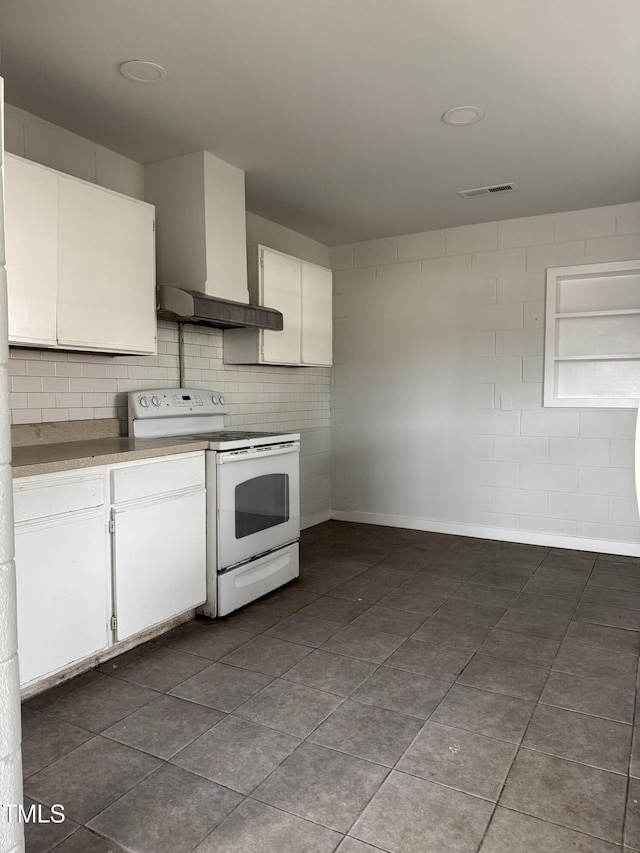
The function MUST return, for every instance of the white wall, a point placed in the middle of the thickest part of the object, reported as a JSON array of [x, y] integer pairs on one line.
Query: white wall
[[11, 833], [437, 387], [53, 386]]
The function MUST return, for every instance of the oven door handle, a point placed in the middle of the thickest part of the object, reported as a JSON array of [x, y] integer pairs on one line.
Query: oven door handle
[[242, 455]]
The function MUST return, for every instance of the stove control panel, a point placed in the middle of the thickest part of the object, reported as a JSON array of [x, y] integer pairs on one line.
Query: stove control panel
[[180, 402]]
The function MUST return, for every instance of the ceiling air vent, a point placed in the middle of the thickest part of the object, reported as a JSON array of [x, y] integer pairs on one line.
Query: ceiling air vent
[[497, 188]]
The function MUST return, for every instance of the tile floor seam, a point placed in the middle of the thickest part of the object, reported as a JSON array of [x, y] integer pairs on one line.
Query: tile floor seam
[[628, 787], [524, 734]]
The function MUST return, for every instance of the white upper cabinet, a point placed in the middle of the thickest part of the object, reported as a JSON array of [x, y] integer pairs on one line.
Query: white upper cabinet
[[80, 263], [317, 315], [31, 194], [302, 292], [201, 224], [106, 283], [280, 289]]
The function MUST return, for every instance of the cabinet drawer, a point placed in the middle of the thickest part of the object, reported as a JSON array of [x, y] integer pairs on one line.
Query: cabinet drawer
[[35, 497], [139, 482]]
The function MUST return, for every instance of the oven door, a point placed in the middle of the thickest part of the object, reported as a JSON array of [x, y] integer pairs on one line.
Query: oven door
[[258, 501]]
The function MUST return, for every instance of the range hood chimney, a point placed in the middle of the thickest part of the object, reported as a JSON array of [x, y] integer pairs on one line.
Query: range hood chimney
[[201, 243], [189, 306]]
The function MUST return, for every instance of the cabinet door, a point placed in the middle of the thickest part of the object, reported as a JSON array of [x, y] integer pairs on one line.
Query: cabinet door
[[317, 315], [106, 270], [280, 289], [31, 251], [61, 571], [159, 560]]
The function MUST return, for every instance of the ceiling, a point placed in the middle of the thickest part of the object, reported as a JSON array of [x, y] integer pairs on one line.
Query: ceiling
[[333, 107]]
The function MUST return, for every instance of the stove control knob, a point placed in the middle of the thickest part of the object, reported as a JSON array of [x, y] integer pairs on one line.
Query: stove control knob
[[144, 402], [221, 400], [214, 399], [155, 400]]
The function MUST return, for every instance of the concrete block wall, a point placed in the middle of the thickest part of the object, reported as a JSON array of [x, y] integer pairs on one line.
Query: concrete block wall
[[452, 322], [11, 832]]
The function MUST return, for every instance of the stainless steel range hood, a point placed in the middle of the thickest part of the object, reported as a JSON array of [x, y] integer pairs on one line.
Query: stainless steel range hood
[[189, 306]]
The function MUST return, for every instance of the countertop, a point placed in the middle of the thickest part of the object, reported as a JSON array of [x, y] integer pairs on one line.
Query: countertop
[[43, 458]]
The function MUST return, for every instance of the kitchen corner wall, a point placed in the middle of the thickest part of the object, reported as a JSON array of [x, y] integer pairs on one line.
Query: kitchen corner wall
[[11, 831], [54, 386], [437, 387]]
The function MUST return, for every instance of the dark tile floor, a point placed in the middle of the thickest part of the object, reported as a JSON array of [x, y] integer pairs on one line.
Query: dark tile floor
[[411, 692]]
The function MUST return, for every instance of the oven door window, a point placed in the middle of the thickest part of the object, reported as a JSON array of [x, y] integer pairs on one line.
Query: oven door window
[[260, 503]]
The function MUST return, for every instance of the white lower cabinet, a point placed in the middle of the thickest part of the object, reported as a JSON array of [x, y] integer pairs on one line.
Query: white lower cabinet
[[62, 572], [158, 560], [159, 541], [124, 540]]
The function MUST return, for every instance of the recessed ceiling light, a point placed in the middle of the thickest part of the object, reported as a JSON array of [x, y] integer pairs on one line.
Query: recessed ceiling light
[[143, 71], [463, 115]]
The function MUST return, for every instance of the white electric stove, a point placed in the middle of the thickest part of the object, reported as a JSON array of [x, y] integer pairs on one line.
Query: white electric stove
[[253, 492]]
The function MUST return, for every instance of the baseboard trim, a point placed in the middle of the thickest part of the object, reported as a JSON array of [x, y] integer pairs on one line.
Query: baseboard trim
[[314, 518], [549, 540]]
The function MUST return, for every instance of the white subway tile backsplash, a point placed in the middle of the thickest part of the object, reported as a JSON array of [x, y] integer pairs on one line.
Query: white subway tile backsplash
[[17, 367], [81, 385], [26, 383], [89, 385], [18, 401], [55, 383], [40, 368], [55, 415], [41, 401], [579, 451]]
